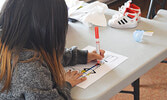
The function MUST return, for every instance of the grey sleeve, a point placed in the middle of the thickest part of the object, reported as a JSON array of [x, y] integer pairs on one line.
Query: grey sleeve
[[37, 84], [74, 56]]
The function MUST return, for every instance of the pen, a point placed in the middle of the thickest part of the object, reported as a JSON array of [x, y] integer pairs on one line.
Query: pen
[[97, 42]]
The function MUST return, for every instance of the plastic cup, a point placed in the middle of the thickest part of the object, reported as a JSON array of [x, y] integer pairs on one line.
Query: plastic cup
[[138, 35]]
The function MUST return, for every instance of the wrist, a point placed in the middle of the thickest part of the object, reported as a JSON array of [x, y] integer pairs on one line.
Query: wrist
[[68, 84]]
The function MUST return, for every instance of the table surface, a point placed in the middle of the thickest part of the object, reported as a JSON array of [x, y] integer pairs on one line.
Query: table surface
[[141, 56]]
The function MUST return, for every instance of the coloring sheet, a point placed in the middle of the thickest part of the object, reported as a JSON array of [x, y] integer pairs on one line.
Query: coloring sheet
[[94, 71]]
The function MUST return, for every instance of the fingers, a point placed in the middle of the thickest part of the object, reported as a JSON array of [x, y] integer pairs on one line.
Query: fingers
[[78, 75], [69, 72], [94, 51], [97, 56], [94, 56], [74, 77], [73, 73], [102, 53], [79, 80]]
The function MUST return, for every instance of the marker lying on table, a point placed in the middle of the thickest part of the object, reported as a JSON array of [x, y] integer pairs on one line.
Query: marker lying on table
[[97, 42]]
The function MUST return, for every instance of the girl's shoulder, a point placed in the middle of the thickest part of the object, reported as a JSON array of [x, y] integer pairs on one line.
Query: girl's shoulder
[[30, 59], [31, 71]]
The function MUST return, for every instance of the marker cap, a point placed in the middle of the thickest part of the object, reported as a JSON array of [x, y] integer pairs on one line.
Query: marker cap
[[96, 32]]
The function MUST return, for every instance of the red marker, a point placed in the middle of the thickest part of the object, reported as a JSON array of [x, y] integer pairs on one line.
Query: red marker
[[97, 41]]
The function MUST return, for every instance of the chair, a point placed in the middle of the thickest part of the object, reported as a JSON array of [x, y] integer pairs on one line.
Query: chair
[[153, 7]]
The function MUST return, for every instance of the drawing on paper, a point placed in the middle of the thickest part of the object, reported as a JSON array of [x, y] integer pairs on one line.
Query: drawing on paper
[[94, 71], [91, 67], [86, 70]]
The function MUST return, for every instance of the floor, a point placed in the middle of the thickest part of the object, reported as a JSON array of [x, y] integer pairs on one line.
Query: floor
[[153, 84]]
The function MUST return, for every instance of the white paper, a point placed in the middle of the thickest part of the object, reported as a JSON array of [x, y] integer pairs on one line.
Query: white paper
[[111, 60], [1, 4]]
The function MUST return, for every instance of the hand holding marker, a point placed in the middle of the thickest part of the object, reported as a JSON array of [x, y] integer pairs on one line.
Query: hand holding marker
[[91, 69]]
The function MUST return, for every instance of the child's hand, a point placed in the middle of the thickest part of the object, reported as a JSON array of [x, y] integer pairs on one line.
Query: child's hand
[[74, 78], [94, 56]]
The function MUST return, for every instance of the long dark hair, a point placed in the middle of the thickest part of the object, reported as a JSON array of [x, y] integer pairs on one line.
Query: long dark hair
[[37, 24]]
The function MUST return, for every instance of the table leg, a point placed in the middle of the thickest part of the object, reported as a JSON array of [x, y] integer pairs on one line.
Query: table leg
[[136, 89], [164, 61]]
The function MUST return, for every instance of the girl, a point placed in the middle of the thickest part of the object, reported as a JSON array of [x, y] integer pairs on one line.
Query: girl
[[32, 53]]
